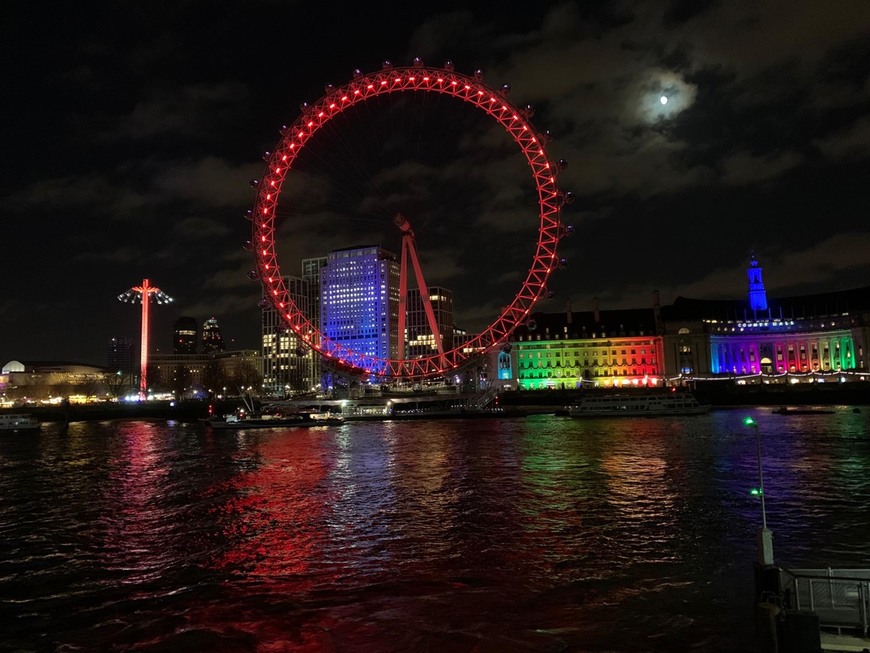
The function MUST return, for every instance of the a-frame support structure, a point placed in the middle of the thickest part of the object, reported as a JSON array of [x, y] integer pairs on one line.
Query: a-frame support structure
[[409, 250]]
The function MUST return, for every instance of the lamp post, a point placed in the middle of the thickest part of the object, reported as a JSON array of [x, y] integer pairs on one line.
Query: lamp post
[[765, 536]]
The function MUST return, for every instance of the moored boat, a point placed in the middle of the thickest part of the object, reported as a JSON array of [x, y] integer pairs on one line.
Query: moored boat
[[18, 423], [783, 410], [273, 420], [639, 405]]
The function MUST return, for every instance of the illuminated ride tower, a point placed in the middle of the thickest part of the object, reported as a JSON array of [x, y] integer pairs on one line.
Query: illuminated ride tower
[[409, 250], [144, 293]]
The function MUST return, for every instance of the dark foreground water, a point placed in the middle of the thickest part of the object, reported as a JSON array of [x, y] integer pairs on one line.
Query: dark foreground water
[[535, 534]]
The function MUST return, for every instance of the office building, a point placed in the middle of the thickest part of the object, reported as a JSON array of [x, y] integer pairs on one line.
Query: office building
[[185, 336], [287, 363], [359, 302], [119, 356], [212, 340], [420, 341]]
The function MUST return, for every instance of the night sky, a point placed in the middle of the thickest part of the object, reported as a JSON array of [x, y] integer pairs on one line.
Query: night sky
[[131, 132]]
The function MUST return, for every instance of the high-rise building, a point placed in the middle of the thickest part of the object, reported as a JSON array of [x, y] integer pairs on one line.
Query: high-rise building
[[287, 364], [359, 300], [420, 341], [185, 339], [119, 355], [311, 268], [212, 340]]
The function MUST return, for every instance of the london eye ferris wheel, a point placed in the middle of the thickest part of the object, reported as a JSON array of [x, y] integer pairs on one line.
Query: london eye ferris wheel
[[417, 79]]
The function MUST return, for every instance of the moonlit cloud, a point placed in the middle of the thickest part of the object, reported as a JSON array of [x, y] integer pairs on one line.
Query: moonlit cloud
[[646, 96]]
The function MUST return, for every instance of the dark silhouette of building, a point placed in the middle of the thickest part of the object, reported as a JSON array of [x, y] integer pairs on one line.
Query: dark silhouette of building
[[119, 355], [186, 337]]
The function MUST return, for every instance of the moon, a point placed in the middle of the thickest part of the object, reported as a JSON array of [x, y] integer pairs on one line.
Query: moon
[[663, 99]]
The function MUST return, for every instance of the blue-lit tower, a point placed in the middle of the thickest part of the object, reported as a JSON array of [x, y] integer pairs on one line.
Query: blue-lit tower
[[757, 293], [359, 300]]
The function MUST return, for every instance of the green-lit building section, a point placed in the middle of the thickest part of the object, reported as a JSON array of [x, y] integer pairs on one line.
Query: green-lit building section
[[575, 363], [594, 348], [810, 338]]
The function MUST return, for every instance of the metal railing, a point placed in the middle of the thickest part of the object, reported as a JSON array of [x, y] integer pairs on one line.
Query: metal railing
[[840, 597]]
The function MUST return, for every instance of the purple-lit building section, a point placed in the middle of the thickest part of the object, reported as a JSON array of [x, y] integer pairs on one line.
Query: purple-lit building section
[[807, 338], [775, 341]]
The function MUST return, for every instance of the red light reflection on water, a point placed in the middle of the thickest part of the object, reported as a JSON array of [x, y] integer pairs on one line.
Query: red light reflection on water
[[273, 522], [133, 522]]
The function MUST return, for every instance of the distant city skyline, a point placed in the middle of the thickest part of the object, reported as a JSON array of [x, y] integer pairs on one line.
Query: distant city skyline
[[134, 131]]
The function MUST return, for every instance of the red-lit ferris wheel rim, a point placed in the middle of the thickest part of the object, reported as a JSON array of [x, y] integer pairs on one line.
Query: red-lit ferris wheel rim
[[417, 78]]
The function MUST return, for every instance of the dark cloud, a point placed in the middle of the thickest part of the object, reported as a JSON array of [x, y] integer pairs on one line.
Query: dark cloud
[[133, 131]]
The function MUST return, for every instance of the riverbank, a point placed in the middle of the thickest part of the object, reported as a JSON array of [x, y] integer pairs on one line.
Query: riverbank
[[722, 394], [182, 411], [718, 393]]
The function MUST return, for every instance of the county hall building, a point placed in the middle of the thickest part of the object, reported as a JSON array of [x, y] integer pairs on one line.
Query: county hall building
[[811, 338]]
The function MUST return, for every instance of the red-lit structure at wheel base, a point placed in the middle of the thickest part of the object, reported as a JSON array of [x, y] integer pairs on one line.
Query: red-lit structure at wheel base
[[415, 79]]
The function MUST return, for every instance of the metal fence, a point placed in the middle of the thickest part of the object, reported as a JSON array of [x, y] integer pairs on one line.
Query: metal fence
[[840, 597]]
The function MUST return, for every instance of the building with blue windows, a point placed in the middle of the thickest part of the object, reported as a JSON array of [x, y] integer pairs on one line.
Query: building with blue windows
[[359, 300]]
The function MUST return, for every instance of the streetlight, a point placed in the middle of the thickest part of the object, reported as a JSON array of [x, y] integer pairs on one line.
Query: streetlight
[[765, 535]]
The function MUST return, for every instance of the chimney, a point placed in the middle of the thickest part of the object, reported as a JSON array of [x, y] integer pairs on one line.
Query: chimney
[[569, 315], [596, 314]]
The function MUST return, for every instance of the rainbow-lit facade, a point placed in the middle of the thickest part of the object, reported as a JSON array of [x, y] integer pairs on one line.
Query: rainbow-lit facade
[[574, 349], [807, 338], [783, 346]]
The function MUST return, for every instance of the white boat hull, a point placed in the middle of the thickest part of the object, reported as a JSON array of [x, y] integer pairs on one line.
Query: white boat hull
[[641, 405]]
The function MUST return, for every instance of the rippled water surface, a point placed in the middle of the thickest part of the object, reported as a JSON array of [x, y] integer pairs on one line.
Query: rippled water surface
[[535, 534]]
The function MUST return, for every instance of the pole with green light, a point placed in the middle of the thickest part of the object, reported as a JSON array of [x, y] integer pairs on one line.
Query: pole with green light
[[765, 536]]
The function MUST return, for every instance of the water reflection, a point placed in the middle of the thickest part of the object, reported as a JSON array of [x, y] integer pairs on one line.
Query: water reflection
[[542, 533], [273, 520], [135, 527]]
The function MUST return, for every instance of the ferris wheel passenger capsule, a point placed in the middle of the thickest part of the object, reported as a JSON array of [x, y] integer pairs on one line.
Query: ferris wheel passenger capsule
[[529, 110], [329, 88], [254, 183], [569, 230], [569, 197], [505, 89], [561, 164], [448, 65], [252, 274], [267, 155], [248, 245], [283, 130], [478, 74], [387, 64], [263, 303], [357, 73], [563, 264], [418, 62], [249, 214], [303, 107]]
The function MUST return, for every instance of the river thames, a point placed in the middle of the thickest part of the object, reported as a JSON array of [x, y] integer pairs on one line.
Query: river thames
[[542, 533]]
